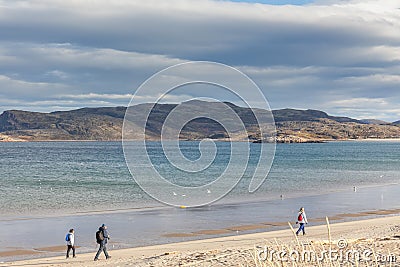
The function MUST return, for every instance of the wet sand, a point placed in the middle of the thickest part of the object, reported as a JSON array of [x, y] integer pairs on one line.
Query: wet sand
[[156, 226], [383, 234], [268, 225], [207, 233]]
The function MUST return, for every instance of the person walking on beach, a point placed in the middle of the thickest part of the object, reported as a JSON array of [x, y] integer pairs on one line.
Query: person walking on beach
[[302, 220], [102, 237], [70, 238]]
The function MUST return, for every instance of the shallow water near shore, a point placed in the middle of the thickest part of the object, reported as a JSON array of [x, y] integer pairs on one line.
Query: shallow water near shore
[[49, 187], [133, 228]]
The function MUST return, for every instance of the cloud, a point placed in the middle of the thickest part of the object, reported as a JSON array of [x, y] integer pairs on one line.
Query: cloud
[[21, 88], [346, 91], [374, 108], [80, 69], [236, 33], [98, 96], [308, 56]]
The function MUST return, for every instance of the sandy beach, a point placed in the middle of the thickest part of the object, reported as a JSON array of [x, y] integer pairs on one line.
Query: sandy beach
[[380, 236]]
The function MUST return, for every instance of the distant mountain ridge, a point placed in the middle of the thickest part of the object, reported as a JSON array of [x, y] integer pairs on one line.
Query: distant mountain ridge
[[374, 121], [105, 123], [307, 115]]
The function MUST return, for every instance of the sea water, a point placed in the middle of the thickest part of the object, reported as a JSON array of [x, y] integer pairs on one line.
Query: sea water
[[50, 187], [56, 178]]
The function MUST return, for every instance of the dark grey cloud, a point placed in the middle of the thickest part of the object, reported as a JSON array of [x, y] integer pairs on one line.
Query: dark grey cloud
[[238, 34], [330, 55]]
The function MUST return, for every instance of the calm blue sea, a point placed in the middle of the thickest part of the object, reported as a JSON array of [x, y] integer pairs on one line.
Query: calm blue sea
[[50, 178]]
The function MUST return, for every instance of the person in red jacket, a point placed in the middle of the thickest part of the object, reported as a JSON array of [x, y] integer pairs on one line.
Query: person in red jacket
[[302, 220]]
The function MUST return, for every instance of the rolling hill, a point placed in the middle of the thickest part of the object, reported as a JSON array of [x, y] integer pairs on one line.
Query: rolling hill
[[105, 123]]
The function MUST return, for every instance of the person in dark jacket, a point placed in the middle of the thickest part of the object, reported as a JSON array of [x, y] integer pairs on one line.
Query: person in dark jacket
[[103, 243]]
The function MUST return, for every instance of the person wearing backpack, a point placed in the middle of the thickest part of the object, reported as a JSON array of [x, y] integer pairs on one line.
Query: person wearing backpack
[[70, 239], [302, 220], [102, 237]]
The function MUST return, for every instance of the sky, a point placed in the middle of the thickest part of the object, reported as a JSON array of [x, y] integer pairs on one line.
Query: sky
[[276, 2], [340, 56]]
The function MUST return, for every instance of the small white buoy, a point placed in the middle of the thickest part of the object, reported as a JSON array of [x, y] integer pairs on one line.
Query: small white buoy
[[174, 193], [208, 191]]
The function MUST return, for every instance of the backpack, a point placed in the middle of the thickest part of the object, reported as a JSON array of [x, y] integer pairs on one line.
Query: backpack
[[67, 237], [99, 236], [300, 217]]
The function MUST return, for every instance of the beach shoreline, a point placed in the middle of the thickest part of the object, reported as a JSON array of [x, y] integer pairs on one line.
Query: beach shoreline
[[27, 254], [206, 251], [165, 225], [344, 182]]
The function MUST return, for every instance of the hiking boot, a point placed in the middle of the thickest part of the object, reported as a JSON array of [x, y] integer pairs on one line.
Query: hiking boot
[[109, 257]]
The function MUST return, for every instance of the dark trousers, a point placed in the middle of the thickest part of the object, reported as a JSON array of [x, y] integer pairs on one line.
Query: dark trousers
[[103, 247], [301, 228], [69, 247]]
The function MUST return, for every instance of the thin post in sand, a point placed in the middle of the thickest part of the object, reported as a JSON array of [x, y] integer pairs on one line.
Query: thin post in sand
[[329, 232], [294, 233]]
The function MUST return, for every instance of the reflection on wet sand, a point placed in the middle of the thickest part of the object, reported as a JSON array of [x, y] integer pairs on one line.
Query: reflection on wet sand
[[275, 225]]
